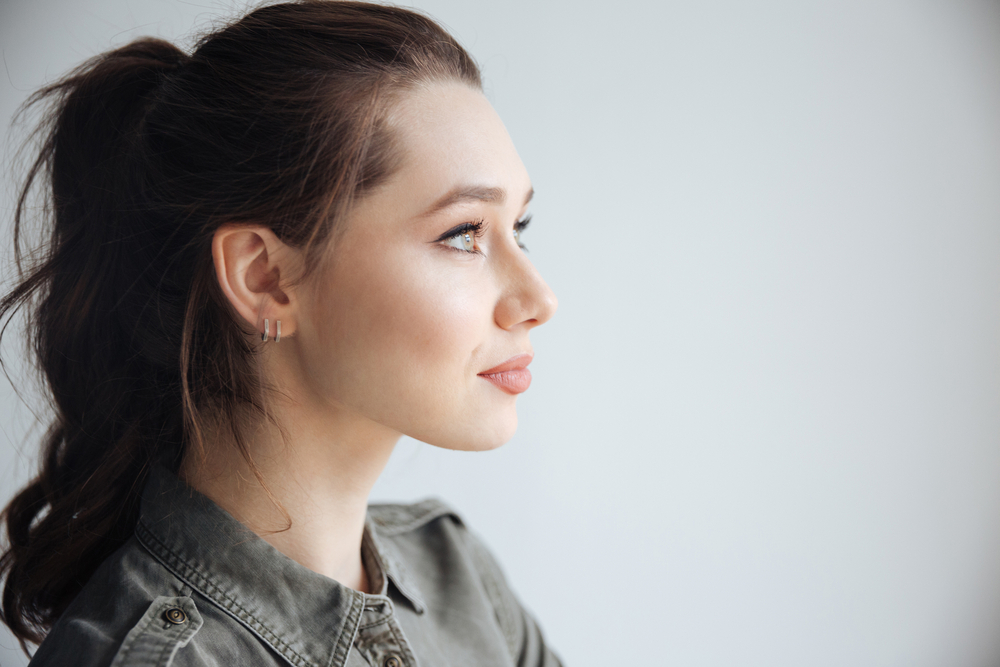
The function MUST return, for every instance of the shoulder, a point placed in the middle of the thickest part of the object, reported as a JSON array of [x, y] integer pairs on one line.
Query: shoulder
[[132, 611]]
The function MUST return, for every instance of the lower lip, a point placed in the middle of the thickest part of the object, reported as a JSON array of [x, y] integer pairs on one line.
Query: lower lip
[[512, 382]]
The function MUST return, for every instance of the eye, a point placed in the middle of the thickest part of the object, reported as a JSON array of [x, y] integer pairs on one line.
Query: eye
[[464, 236], [519, 228], [463, 241]]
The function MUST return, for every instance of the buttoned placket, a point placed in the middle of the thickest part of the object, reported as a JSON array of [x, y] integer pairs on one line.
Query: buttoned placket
[[380, 639]]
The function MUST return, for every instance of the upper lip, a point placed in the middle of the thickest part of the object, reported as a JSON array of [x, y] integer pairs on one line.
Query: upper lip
[[514, 363]]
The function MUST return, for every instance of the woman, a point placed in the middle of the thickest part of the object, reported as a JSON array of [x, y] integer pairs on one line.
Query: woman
[[268, 260]]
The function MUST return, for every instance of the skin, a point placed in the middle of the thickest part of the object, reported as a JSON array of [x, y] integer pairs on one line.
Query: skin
[[387, 338]]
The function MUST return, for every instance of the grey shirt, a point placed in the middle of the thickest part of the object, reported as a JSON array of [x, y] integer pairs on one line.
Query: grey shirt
[[194, 586]]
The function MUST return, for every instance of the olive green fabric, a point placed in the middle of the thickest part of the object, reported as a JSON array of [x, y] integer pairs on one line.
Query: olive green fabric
[[195, 587]]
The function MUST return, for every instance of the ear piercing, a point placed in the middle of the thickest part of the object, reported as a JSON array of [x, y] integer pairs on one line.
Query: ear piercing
[[267, 331]]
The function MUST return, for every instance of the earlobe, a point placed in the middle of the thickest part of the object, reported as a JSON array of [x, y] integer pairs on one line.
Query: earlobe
[[253, 267]]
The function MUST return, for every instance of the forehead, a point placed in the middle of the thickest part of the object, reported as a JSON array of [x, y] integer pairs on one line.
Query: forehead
[[449, 136]]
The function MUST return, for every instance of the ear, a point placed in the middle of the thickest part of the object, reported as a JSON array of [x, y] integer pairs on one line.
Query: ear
[[255, 270]]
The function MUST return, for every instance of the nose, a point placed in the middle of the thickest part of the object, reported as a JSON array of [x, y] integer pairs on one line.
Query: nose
[[525, 297]]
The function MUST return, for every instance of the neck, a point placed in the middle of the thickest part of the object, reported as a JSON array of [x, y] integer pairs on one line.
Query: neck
[[311, 495]]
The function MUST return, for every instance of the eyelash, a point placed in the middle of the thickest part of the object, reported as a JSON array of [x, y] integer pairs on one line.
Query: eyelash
[[519, 227], [478, 228]]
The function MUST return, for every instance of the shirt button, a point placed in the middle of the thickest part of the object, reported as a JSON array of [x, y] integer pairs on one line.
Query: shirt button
[[175, 615], [392, 661]]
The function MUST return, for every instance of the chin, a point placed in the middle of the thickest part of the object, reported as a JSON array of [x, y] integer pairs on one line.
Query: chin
[[479, 437]]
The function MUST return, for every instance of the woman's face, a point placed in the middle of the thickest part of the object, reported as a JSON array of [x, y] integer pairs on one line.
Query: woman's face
[[428, 286]]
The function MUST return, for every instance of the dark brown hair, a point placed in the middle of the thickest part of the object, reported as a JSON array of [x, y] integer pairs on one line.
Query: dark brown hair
[[278, 118]]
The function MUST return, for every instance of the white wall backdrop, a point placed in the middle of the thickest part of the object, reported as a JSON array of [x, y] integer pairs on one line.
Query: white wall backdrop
[[765, 423]]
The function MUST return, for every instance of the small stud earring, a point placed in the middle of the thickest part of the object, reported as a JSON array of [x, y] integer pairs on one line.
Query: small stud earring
[[277, 334], [267, 331]]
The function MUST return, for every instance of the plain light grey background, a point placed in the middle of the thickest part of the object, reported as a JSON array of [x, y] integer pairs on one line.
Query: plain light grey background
[[765, 423]]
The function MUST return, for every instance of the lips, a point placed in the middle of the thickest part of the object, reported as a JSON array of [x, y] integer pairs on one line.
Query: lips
[[512, 376]]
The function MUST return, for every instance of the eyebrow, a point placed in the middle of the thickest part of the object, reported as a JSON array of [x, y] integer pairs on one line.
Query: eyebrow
[[467, 193]]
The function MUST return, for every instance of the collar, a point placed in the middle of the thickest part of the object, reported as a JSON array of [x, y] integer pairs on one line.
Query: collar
[[306, 617]]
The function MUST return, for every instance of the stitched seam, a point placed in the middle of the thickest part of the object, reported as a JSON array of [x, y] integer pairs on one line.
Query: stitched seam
[[162, 659], [343, 649], [401, 643], [380, 619], [123, 651], [168, 639], [185, 571], [372, 625]]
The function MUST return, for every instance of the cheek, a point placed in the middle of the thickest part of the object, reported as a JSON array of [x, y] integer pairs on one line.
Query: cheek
[[429, 325], [397, 336]]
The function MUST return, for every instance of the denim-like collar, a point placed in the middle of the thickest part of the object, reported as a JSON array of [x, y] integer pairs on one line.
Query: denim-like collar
[[306, 617]]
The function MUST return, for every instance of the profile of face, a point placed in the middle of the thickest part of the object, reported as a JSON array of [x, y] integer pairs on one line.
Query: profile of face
[[428, 286]]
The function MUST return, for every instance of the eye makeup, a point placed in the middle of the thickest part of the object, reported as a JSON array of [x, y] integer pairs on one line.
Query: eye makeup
[[466, 233], [519, 228]]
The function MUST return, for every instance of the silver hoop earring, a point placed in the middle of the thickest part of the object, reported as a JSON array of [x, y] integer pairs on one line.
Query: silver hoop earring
[[267, 331], [277, 334]]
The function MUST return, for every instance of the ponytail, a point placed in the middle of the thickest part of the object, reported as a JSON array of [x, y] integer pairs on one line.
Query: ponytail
[[83, 503], [279, 118]]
